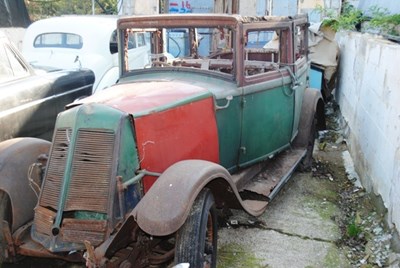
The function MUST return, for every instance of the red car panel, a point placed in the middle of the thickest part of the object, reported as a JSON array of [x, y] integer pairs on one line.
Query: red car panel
[[160, 145]]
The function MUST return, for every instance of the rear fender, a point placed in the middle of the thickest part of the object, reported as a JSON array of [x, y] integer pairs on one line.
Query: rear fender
[[16, 155], [312, 107]]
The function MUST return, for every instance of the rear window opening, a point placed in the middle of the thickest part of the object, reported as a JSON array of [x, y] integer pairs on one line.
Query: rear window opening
[[58, 40]]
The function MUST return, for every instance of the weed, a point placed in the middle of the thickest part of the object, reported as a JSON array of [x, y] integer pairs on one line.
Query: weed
[[354, 228]]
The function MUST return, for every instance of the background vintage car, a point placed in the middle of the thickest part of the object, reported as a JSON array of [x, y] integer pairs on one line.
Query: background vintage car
[[32, 98], [82, 41]]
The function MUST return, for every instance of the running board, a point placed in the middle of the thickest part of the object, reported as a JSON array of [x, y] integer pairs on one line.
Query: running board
[[264, 181]]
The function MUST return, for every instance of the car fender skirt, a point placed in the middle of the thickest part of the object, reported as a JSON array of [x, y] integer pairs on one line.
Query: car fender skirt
[[16, 156], [165, 207]]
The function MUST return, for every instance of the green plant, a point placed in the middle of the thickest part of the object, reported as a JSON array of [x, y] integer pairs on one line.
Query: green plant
[[353, 230], [350, 19], [354, 227], [347, 20], [382, 20]]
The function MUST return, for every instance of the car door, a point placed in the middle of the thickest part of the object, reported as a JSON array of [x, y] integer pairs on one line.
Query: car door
[[24, 109], [301, 66], [268, 94]]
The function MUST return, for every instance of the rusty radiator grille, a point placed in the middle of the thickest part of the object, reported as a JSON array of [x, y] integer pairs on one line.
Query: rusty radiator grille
[[91, 171], [56, 167]]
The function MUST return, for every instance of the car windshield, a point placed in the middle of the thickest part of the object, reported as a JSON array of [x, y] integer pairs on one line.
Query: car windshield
[[11, 67], [206, 49]]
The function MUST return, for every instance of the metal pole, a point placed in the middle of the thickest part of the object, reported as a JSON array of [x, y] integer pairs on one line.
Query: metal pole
[[119, 6], [92, 7]]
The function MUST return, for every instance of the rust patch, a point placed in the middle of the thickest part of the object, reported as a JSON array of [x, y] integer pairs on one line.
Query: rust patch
[[74, 230], [43, 220]]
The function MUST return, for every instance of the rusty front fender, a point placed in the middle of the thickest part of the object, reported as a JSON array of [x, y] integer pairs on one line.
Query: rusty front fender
[[165, 207], [16, 155]]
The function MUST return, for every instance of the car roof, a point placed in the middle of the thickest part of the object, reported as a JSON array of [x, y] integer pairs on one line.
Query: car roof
[[200, 19], [2, 34]]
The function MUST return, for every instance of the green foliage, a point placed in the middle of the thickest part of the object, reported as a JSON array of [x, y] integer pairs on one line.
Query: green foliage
[[354, 228], [382, 20], [351, 17], [39, 9], [347, 20]]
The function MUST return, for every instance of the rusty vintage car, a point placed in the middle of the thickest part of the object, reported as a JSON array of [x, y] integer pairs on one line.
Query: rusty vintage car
[[135, 174]]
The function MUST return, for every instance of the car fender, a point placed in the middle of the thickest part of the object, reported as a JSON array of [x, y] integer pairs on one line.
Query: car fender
[[312, 106], [109, 78], [165, 207], [16, 156]]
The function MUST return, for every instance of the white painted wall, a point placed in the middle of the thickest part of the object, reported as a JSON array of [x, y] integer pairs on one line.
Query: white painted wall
[[369, 96]]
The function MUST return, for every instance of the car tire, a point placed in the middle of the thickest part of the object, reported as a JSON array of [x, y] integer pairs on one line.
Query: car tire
[[196, 240], [306, 162], [5, 217]]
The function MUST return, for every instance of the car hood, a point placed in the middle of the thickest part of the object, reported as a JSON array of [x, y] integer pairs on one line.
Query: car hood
[[145, 97]]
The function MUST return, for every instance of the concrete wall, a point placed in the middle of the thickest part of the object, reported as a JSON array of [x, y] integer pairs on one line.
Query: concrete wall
[[369, 96]]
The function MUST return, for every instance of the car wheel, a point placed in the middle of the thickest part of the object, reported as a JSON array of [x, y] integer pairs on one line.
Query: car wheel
[[5, 217], [196, 240], [306, 162]]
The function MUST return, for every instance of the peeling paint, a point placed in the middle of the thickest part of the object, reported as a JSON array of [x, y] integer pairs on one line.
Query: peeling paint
[[144, 149]]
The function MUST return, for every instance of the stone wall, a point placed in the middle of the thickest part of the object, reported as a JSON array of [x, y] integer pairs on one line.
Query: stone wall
[[369, 96]]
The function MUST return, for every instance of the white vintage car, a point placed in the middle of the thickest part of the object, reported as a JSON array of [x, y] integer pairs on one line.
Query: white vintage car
[[82, 41]]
